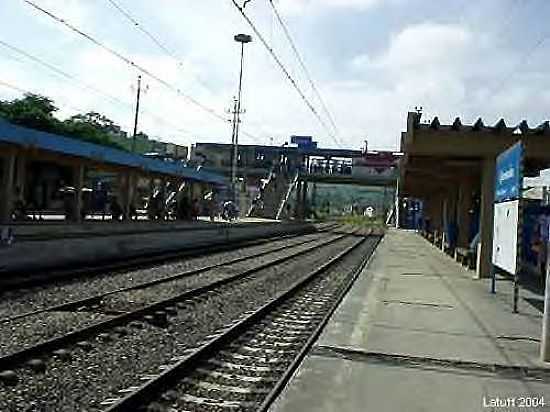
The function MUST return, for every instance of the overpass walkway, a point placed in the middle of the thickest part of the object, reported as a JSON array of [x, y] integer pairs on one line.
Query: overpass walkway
[[418, 333]]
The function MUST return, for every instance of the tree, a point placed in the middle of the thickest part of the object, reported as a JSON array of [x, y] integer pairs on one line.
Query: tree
[[33, 111], [37, 112]]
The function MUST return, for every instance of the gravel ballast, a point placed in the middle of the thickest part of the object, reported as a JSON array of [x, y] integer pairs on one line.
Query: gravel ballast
[[17, 302], [118, 360]]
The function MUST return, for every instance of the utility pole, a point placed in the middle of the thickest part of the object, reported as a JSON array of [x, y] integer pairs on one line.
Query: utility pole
[[234, 121], [137, 114]]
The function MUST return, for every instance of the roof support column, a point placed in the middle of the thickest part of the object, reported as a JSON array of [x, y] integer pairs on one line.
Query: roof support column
[[128, 194], [450, 215], [78, 179], [163, 197], [304, 200], [299, 206], [6, 190], [21, 176], [463, 212], [486, 218]]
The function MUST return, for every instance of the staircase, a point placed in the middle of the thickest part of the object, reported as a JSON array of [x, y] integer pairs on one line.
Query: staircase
[[271, 202]]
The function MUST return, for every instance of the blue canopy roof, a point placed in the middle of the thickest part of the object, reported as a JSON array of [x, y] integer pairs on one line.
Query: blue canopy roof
[[23, 136]]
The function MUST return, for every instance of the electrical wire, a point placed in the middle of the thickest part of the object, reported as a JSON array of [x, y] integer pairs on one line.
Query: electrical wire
[[85, 86], [302, 64], [154, 39], [62, 73], [285, 71], [127, 60], [25, 91]]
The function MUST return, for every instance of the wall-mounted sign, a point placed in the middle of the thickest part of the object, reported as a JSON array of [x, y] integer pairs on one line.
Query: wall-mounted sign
[[509, 174]]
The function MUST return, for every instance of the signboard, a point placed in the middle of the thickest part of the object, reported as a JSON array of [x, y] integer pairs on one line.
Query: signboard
[[505, 235], [301, 140], [509, 176], [508, 215]]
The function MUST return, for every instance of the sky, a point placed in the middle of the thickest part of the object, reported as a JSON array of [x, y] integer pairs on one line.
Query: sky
[[371, 60]]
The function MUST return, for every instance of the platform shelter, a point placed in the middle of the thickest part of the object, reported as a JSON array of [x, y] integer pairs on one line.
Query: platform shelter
[[451, 168], [37, 168]]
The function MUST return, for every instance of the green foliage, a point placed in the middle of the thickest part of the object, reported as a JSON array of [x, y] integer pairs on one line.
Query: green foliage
[[37, 112], [363, 221], [32, 111]]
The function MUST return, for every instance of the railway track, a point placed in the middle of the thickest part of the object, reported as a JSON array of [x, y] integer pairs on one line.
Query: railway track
[[95, 298], [97, 315], [120, 335], [245, 366], [29, 280]]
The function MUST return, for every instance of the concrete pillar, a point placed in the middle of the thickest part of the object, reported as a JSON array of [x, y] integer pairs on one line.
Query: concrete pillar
[[163, 196], [304, 200], [298, 208], [463, 212], [21, 175], [78, 176], [486, 218], [129, 189], [6, 190], [436, 212]]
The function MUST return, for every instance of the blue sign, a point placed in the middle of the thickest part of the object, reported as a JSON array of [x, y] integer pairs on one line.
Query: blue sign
[[301, 140], [509, 174]]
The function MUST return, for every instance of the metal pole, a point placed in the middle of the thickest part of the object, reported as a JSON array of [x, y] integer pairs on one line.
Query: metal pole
[[238, 114], [545, 340], [234, 151], [137, 114], [397, 204]]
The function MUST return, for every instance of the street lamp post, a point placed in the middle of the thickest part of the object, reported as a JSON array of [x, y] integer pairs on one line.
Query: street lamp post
[[243, 39]]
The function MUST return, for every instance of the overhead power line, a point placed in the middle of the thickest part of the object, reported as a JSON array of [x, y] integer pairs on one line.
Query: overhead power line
[[139, 26], [127, 60], [25, 91], [302, 65], [524, 58], [285, 72], [62, 73], [85, 86]]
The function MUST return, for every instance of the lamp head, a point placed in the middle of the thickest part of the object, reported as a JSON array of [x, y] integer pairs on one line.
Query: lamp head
[[243, 38]]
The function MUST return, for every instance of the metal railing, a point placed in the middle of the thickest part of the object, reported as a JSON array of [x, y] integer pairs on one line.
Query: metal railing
[[288, 193]]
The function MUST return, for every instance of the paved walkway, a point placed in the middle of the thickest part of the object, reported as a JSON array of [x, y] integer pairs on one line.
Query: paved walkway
[[418, 333]]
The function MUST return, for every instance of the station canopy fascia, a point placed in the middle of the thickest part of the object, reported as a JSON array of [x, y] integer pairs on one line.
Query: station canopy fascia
[[30, 138]]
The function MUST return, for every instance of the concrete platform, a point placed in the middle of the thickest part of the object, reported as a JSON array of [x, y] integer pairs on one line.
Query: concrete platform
[[418, 333], [90, 243]]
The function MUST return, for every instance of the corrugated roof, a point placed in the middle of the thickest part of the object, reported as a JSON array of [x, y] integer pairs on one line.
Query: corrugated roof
[[23, 136], [499, 127]]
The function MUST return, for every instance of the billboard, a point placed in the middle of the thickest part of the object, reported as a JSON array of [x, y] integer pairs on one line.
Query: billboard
[[509, 174], [505, 235]]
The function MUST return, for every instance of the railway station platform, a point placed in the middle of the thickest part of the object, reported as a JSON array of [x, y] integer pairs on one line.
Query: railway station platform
[[62, 246], [418, 333]]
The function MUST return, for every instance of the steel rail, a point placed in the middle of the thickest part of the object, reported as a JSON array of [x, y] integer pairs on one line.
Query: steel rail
[[8, 361], [190, 272], [285, 378], [164, 380]]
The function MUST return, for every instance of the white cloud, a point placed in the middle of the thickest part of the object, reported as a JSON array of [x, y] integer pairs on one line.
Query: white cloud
[[450, 69], [314, 6]]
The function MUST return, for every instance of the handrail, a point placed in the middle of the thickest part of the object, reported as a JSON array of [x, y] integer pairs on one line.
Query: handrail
[[288, 193], [269, 177]]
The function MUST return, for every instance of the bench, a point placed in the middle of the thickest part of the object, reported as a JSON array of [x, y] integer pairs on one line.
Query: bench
[[465, 256]]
